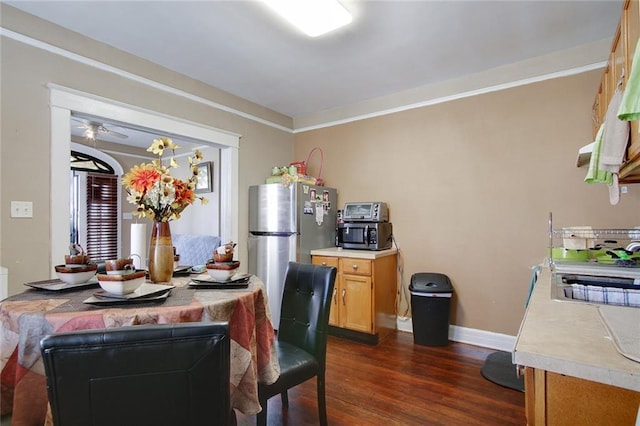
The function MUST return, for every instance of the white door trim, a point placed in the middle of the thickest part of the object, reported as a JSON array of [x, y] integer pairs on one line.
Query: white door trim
[[65, 100]]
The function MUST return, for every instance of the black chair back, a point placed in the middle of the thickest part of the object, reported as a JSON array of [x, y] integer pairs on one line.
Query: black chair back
[[140, 375], [306, 302], [302, 336]]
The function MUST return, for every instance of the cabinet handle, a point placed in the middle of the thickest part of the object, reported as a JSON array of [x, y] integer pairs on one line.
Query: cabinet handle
[[355, 267], [344, 295], [324, 263], [621, 79], [335, 296]]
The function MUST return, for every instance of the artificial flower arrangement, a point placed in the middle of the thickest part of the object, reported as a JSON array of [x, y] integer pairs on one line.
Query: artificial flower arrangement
[[158, 195]]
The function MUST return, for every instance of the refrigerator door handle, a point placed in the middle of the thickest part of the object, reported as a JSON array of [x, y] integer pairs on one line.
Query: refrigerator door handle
[[272, 234]]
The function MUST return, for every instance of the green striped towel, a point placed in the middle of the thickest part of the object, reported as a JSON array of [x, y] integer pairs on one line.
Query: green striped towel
[[595, 174], [630, 105]]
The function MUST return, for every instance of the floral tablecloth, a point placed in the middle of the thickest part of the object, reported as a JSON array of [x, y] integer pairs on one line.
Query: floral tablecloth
[[27, 317]]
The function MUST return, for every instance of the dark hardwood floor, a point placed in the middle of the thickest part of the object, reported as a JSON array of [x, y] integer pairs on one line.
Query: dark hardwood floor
[[399, 383]]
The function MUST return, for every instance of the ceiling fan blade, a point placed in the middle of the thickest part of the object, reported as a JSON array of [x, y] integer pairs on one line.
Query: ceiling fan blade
[[82, 121], [95, 127], [112, 132]]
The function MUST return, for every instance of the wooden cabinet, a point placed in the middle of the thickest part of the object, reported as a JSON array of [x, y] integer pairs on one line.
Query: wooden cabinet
[[616, 73], [596, 112], [364, 297], [556, 399], [356, 296], [632, 27], [335, 262]]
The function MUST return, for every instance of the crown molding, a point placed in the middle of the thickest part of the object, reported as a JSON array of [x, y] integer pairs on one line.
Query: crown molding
[[379, 106], [134, 77]]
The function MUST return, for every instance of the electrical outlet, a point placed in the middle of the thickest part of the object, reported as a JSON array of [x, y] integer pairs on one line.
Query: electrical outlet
[[21, 209]]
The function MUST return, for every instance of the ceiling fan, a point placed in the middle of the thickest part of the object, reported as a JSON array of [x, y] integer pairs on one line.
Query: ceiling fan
[[93, 128]]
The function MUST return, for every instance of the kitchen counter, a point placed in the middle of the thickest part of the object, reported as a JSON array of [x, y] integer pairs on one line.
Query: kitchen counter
[[570, 338], [358, 254]]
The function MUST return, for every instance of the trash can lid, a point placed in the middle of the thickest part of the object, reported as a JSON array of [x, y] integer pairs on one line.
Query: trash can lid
[[429, 282]]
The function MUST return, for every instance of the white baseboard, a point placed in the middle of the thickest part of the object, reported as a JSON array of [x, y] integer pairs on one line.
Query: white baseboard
[[472, 336]]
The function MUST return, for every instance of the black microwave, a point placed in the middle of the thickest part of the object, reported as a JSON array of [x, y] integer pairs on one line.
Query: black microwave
[[365, 235]]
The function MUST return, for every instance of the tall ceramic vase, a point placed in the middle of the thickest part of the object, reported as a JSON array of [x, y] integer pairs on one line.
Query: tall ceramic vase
[[160, 253]]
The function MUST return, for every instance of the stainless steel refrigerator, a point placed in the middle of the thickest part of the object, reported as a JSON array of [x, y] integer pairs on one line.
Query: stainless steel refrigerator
[[285, 224]]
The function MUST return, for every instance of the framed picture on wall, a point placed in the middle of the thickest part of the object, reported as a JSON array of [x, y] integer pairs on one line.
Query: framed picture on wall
[[205, 177]]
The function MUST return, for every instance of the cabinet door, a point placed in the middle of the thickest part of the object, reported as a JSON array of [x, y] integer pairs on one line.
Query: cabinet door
[[632, 33], [556, 399], [596, 112], [355, 300], [617, 61], [631, 19], [571, 401], [334, 312]]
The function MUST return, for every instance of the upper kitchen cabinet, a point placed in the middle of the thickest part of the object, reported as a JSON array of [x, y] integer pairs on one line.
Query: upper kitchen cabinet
[[616, 74], [599, 104], [632, 27]]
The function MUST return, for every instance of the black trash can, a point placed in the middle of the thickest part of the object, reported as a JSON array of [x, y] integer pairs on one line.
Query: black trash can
[[430, 306]]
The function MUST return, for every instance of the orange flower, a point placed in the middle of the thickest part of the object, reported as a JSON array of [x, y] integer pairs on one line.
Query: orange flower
[[184, 195], [141, 178]]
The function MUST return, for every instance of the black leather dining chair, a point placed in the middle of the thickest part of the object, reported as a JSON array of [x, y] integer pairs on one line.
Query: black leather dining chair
[[302, 334], [169, 374]]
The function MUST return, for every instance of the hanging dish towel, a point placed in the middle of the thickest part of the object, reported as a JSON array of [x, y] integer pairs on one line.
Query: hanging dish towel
[[630, 105], [615, 138], [614, 190], [595, 174]]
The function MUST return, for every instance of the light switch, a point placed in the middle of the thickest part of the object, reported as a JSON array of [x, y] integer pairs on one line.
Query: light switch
[[21, 209]]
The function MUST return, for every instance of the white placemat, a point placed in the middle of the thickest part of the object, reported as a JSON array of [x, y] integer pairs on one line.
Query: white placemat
[[623, 324]]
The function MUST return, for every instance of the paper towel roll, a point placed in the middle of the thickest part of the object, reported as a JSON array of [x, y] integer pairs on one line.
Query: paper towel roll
[[139, 245]]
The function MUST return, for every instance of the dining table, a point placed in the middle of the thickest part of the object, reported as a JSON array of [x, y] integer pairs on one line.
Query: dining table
[[27, 317]]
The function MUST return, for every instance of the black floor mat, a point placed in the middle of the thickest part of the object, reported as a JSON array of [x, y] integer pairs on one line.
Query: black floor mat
[[499, 369]]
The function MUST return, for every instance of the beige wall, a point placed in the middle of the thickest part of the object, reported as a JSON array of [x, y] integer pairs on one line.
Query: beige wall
[[25, 133], [470, 184]]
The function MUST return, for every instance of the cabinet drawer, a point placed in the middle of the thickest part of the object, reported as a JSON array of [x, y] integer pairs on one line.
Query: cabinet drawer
[[325, 261], [355, 266]]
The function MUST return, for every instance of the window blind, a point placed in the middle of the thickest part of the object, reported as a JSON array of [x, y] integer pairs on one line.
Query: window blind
[[102, 216]]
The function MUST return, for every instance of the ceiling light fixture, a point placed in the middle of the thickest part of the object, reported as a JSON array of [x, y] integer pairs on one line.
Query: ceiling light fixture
[[90, 132], [313, 17]]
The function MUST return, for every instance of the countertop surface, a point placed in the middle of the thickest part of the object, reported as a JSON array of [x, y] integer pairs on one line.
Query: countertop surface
[[571, 338], [359, 254]]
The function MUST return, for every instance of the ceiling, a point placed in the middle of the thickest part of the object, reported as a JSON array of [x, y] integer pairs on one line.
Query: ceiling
[[121, 133], [391, 46]]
